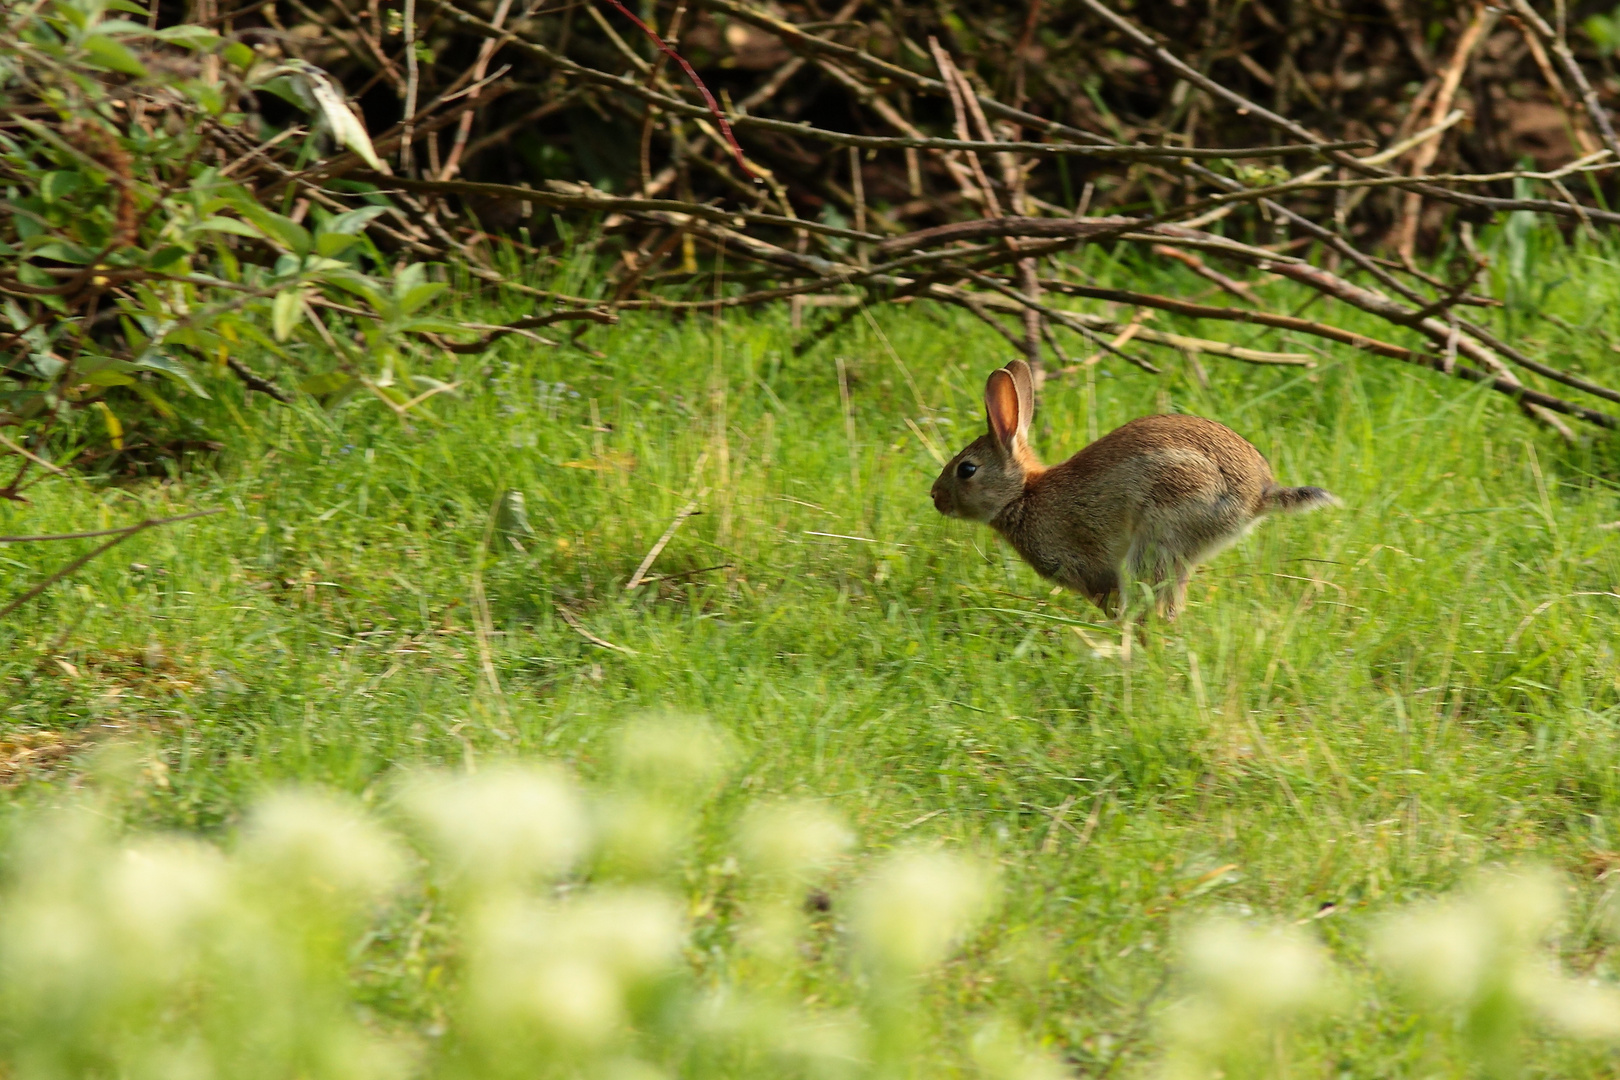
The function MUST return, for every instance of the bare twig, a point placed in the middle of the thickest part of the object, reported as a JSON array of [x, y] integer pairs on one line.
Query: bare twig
[[579, 628], [1450, 76], [118, 537], [1566, 59]]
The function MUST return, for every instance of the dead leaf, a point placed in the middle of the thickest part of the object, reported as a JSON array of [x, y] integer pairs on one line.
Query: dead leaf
[[617, 461]]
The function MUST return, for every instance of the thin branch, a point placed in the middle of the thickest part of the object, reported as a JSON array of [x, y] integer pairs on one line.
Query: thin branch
[[118, 537], [1257, 318], [1566, 59]]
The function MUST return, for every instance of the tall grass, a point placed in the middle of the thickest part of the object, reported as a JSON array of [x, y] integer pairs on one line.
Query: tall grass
[[1356, 709]]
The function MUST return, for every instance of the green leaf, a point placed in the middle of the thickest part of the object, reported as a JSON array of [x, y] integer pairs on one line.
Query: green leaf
[[329, 384], [293, 92], [137, 340], [322, 265], [104, 52], [29, 274], [54, 186], [204, 341], [431, 326], [360, 285], [166, 255], [350, 222], [282, 230], [106, 377], [286, 312], [330, 244], [189, 35], [413, 300], [409, 277], [61, 252], [209, 97], [126, 5], [124, 28], [150, 396], [153, 360], [240, 55], [226, 225]]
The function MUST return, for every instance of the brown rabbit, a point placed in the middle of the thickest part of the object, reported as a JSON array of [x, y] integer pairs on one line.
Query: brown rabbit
[[1153, 498]]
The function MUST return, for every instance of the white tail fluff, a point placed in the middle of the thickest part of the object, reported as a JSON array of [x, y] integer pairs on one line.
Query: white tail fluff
[[1293, 500]]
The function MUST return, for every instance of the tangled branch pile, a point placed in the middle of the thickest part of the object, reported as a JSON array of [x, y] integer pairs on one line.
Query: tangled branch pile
[[182, 182]]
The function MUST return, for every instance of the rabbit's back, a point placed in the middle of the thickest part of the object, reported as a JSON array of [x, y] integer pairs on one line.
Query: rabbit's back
[[1162, 460], [1176, 487]]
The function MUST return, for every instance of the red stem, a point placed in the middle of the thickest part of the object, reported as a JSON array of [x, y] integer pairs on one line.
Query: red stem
[[708, 98]]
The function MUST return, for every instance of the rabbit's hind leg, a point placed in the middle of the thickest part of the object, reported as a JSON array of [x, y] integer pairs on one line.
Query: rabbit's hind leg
[[1152, 563], [1101, 588], [1174, 596]]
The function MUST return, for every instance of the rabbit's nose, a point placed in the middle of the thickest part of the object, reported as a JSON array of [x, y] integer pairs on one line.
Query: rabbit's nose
[[941, 500]]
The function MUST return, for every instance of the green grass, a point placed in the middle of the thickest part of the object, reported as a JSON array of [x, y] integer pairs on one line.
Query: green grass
[[1356, 708]]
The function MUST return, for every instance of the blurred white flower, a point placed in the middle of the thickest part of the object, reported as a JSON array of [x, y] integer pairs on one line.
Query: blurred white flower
[[321, 843], [566, 967], [636, 932], [1259, 973], [671, 754], [1483, 949], [1455, 951], [1583, 1010], [503, 825], [52, 946], [639, 834], [1248, 984], [1442, 952], [1001, 1053], [910, 913], [160, 892], [1525, 905], [576, 998], [795, 838], [830, 1043], [520, 978]]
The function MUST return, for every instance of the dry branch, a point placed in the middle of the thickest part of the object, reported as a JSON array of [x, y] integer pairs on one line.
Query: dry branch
[[871, 158]]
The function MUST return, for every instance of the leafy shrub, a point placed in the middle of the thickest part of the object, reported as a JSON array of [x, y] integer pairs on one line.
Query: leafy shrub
[[134, 269]]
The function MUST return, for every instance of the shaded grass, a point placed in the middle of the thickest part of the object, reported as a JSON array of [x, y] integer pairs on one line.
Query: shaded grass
[[1357, 706]]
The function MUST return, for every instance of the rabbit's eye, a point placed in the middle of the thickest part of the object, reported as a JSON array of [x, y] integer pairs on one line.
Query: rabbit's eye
[[966, 469]]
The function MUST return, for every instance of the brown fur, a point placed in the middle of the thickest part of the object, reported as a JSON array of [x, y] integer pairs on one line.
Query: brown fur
[[1150, 500]]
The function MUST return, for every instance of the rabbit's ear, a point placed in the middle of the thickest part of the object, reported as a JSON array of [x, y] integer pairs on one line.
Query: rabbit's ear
[[1024, 381], [1001, 407]]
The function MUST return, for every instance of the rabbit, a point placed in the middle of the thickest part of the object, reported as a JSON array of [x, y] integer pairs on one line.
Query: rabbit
[[1146, 502]]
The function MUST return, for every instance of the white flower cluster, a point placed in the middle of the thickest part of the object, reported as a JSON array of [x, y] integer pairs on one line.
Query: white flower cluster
[[172, 958], [1476, 964], [573, 946]]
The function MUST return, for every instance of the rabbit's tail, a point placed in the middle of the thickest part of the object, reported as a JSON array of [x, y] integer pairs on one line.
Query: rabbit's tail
[[1293, 500]]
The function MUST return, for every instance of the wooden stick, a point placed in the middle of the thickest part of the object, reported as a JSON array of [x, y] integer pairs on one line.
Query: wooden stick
[[1450, 77]]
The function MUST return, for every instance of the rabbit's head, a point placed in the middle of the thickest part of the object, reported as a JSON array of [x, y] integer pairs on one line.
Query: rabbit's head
[[983, 479]]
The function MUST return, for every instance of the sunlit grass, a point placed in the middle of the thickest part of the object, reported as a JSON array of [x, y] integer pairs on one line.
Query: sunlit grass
[[1356, 707]]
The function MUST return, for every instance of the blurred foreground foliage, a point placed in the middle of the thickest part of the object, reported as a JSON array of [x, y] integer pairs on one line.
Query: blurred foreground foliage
[[562, 945]]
